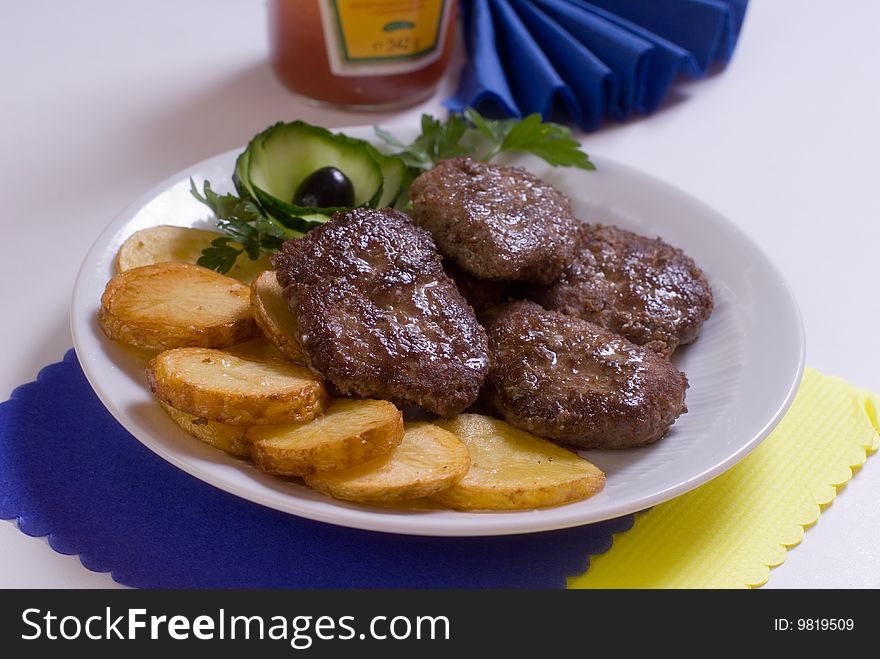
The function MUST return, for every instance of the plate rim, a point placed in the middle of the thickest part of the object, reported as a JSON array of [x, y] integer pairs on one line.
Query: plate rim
[[516, 523]]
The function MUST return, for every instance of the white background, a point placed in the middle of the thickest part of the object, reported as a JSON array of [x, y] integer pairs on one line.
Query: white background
[[100, 100]]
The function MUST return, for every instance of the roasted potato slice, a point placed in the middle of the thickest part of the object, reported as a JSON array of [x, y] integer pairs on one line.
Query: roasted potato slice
[[274, 318], [229, 439], [429, 459], [182, 245], [512, 469], [349, 433], [171, 305], [240, 391]]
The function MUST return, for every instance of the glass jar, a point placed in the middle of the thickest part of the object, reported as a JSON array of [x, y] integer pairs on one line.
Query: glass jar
[[361, 54]]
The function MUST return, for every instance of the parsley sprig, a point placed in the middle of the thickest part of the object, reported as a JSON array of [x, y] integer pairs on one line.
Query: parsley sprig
[[483, 138], [549, 141], [247, 228], [437, 141]]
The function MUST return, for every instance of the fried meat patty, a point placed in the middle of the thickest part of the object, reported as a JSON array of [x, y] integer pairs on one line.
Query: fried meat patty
[[575, 382], [648, 291], [496, 222], [377, 316]]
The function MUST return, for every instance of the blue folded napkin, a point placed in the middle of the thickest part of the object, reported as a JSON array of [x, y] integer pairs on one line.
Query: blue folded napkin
[[580, 62], [70, 471]]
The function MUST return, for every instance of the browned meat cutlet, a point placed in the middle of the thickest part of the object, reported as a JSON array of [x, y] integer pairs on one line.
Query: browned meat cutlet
[[579, 384], [496, 222], [646, 290], [378, 317]]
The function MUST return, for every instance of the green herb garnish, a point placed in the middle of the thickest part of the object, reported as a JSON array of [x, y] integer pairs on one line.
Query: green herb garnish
[[486, 138], [246, 228], [550, 142], [437, 141], [249, 227]]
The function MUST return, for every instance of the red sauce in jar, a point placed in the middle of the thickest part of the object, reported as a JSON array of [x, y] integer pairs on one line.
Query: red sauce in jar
[[361, 53]]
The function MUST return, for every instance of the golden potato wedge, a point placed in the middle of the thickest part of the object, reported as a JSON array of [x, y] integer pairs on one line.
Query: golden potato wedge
[[429, 459], [221, 386], [182, 245], [512, 469], [171, 305], [274, 318], [229, 439], [349, 433]]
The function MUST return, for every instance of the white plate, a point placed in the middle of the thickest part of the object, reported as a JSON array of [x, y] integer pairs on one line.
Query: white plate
[[743, 370]]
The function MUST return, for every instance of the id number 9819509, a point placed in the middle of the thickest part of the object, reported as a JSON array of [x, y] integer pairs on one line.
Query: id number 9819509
[[814, 624]]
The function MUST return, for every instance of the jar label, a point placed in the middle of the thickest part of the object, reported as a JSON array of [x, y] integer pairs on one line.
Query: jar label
[[383, 37]]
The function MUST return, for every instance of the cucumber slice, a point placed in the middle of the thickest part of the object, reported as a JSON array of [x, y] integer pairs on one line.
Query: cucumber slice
[[299, 223], [240, 177], [393, 173], [283, 155], [277, 160], [304, 223]]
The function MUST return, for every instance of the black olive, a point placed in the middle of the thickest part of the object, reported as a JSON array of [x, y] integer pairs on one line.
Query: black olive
[[324, 188]]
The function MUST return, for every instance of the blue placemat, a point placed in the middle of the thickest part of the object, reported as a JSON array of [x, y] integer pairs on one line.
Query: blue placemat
[[580, 61], [70, 471]]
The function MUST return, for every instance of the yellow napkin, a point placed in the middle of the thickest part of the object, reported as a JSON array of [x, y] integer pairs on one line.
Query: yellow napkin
[[729, 532]]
